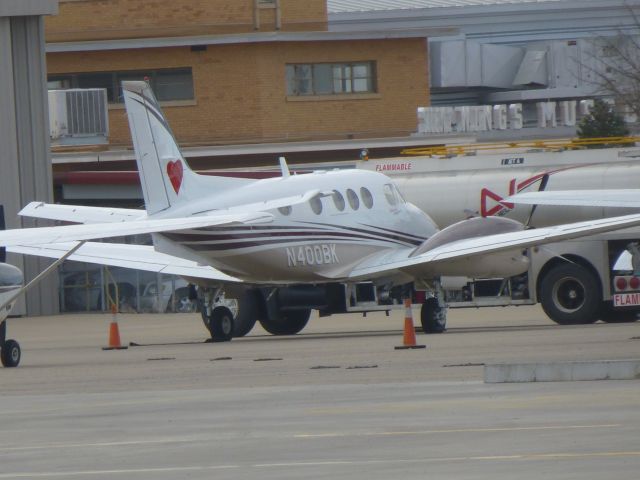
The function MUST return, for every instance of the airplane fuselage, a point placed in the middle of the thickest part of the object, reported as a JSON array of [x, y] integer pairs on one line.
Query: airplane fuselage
[[355, 214], [10, 282]]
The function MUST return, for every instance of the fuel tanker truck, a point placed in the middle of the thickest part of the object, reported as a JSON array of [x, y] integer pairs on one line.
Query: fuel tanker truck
[[576, 282]]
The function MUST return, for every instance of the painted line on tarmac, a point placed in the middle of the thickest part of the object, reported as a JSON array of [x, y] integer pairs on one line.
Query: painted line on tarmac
[[320, 463], [454, 430], [178, 440], [127, 443], [121, 471]]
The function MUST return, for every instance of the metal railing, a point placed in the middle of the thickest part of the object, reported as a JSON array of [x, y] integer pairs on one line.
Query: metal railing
[[551, 145]]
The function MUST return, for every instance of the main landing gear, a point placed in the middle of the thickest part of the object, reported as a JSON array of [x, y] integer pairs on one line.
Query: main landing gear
[[433, 314], [217, 315], [9, 349]]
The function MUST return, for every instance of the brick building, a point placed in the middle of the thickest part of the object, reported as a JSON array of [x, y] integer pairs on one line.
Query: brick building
[[242, 71]]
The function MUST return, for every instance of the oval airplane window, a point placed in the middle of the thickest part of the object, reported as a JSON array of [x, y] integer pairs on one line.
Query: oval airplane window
[[316, 205], [354, 201], [285, 210], [338, 200], [367, 198]]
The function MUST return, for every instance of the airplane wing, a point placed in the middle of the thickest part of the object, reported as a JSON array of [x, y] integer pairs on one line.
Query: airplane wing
[[91, 215], [402, 261], [78, 214], [139, 257], [629, 198], [68, 233]]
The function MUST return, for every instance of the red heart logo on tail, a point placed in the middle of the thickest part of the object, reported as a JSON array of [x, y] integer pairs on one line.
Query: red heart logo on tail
[[174, 170]]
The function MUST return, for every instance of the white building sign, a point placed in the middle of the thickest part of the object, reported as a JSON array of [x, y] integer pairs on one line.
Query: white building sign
[[499, 117]]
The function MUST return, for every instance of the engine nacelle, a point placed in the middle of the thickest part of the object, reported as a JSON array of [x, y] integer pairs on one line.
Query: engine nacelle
[[471, 228], [501, 264]]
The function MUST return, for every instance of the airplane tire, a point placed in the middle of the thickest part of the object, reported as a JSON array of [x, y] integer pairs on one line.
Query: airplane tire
[[429, 318], [288, 323], [571, 295], [247, 314], [10, 354], [221, 324]]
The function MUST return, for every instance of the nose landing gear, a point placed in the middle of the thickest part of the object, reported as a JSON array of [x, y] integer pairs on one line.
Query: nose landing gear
[[9, 349]]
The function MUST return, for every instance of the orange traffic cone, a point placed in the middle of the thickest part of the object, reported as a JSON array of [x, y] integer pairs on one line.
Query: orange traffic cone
[[114, 332], [409, 338]]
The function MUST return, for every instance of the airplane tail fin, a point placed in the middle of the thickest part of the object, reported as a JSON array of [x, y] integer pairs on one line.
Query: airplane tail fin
[[166, 179]]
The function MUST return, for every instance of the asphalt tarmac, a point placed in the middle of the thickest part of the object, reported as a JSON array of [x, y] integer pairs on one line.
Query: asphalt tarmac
[[336, 401]]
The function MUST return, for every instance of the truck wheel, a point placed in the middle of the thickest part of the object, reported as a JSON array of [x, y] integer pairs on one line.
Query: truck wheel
[[570, 295], [220, 324], [609, 315], [432, 317], [10, 354], [288, 323]]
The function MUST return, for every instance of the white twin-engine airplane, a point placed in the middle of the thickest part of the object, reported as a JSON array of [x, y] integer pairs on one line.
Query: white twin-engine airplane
[[336, 241]]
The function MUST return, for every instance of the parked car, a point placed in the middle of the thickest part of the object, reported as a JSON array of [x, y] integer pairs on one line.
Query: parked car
[[83, 290], [167, 300]]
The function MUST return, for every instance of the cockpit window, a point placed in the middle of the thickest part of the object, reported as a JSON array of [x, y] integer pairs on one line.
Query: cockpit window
[[354, 201], [390, 194], [398, 194]]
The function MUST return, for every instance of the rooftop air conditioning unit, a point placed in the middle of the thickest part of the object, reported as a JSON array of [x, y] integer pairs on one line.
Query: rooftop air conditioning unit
[[78, 116]]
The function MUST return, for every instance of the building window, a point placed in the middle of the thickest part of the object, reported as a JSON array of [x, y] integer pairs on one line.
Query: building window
[[168, 84], [331, 78]]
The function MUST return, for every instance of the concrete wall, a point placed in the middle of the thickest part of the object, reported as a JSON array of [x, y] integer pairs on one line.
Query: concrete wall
[[24, 136]]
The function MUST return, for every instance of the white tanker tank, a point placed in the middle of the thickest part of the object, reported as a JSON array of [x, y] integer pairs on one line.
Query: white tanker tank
[[452, 189], [573, 280]]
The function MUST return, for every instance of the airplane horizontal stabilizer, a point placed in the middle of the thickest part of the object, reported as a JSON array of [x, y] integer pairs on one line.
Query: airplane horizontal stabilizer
[[80, 214], [139, 257], [68, 233]]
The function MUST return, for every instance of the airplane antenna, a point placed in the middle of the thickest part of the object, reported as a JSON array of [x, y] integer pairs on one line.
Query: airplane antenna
[[284, 168]]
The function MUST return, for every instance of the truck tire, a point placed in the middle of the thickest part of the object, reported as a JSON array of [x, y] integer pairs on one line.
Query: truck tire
[[609, 315], [571, 295]]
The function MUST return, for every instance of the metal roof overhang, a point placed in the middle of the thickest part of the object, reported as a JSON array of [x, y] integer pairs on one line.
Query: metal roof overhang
[[20, 8], [263, 37]]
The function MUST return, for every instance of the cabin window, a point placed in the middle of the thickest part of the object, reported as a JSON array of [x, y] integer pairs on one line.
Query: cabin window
[[316, 205], [354, 201], [367, 198], [338, 200]]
